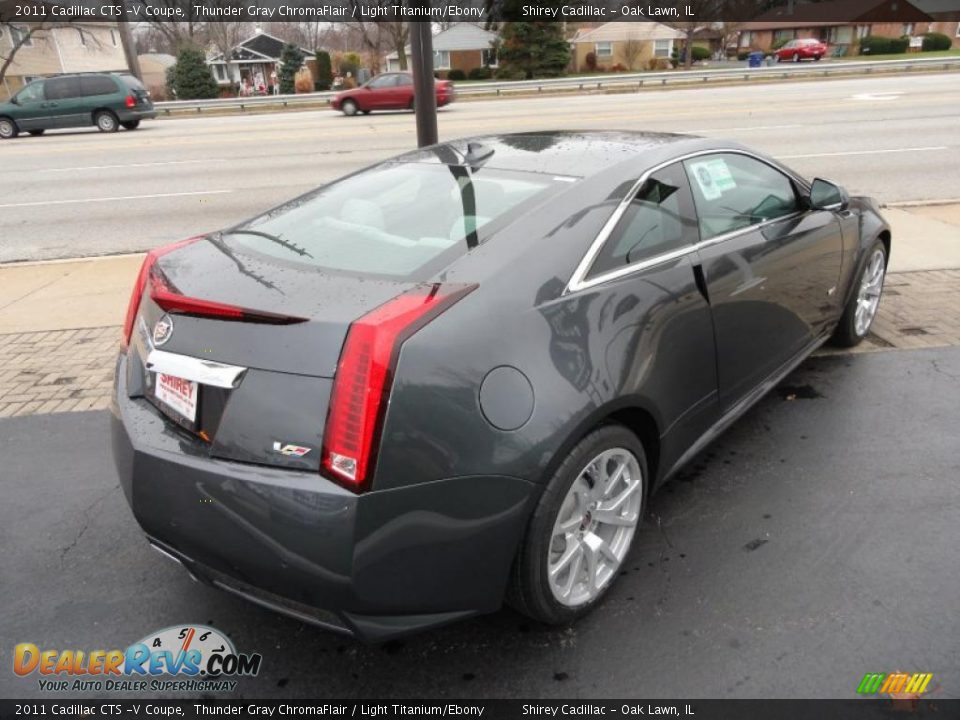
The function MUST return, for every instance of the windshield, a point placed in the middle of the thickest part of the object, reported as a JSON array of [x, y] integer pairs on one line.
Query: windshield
[[399, 221]]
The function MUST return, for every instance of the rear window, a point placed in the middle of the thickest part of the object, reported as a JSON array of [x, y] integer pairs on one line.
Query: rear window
[[97, 85], [399, 221], [131, 82]]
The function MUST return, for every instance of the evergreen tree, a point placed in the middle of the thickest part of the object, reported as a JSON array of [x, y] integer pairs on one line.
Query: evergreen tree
[[190, 77], [324, 70], [533, 49], [291, 60]]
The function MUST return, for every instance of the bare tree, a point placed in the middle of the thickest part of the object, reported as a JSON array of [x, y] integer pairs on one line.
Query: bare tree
[[24, 34], [631, 49]]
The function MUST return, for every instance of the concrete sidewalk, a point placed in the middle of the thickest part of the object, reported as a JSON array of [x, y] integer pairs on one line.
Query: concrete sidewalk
[[93, 292]]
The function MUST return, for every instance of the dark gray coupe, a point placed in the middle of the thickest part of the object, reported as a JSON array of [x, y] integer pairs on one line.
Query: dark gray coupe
[[455, 377]]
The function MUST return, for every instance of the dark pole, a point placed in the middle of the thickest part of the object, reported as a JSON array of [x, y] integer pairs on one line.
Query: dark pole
[[425, 98]]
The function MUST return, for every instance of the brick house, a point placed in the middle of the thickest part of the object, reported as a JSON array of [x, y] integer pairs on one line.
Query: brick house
[[629, 44], [463, 46], [946, 17], [840, 23], [77, 47]]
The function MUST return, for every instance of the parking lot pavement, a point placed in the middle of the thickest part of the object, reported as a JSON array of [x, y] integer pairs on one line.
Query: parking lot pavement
[[814, 542]]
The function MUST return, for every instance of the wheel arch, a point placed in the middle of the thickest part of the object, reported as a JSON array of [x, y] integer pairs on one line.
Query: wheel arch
[[634, 413], [98, 110]]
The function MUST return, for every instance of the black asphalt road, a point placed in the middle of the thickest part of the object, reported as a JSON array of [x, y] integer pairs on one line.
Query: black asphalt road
[[816, 541]]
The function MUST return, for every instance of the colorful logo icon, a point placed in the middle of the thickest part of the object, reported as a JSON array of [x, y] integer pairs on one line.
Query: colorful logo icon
[[894, 683], [162, 330]]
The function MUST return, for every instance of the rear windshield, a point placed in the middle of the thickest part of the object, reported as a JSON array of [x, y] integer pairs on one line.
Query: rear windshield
[[131, 82], [403, 221]]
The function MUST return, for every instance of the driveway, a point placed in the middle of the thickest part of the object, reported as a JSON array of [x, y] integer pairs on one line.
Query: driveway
[[814, 542]]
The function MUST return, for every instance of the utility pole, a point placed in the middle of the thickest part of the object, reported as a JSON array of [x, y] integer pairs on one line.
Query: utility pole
[[129, 46], [424, 96]]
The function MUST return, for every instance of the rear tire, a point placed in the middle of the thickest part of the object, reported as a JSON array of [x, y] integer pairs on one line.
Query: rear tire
[[106, 121], [36, 133], [131, 124], [581, 531], [8, 128], [349, 107], [861, 309]]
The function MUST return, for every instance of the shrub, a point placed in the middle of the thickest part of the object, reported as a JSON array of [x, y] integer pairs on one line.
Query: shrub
[[619, 67], [291, 60], [877, 45], [591, 61], [190, 77], [936, 41], [508, 73], [659, 64], [303, 81], [456, 74], [777, 44], [743, 54], [700, 53], [480, 73], [324, 71]]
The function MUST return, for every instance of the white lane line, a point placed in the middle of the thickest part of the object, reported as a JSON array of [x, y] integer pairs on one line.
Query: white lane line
[[863, 152], [133, 165], [114, 199], [741, 129]]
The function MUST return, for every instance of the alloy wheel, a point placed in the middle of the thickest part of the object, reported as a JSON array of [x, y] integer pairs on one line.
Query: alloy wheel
[[868, 296], [106, 122], [6, 128], [594, 527]]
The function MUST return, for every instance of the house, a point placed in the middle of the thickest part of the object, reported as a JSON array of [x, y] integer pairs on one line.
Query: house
[[463, 46], [153, 72], [839, 23], [77, 47], [631, 45], [253, 60], [946, 17]]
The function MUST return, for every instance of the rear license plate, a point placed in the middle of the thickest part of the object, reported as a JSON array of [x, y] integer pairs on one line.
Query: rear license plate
[[177, 394]]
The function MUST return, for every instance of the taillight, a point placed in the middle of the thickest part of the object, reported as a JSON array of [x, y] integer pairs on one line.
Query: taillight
[[168, 297], [142, 277], [361, 388], [131, 101]]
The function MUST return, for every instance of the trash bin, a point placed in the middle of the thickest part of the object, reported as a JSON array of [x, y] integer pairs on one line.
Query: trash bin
[[755, 59]]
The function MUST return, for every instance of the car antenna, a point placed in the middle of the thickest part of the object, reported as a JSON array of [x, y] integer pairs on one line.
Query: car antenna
[[477, 153]]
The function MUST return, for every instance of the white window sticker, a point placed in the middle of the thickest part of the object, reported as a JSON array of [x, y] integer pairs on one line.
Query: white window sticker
[[713, 177]]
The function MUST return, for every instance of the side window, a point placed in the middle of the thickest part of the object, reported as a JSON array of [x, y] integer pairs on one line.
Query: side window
[[404, 80], [31, 93], [97, 85], [384, 81], [734, 191], [61, 88], [659, 219]]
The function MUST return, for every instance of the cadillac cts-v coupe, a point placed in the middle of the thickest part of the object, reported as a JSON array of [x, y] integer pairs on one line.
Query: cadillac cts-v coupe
[[455, 377]]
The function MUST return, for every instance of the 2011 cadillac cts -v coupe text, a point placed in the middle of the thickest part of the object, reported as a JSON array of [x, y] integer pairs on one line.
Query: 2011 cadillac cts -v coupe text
[[455, 377]]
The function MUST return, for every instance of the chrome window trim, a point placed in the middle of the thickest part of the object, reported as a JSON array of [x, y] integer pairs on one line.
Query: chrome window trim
[[578, 281], [205, 372]]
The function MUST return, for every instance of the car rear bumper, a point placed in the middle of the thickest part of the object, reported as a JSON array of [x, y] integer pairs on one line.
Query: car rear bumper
[[377, 565], [129, 115]]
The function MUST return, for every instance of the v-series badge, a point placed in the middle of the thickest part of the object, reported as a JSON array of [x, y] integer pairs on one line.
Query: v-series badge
[[287, 449]]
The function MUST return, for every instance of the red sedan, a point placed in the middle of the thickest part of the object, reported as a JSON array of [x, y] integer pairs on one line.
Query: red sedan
[[388, 91], [797, 50]]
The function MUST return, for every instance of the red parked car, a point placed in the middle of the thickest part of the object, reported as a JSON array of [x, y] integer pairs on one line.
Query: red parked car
[[797, 50], [388, 91]]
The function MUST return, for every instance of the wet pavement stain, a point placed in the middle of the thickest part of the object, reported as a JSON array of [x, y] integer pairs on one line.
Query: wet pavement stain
[[754, 544]]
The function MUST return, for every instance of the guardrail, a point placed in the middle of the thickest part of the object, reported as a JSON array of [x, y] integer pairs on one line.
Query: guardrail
[[597, 82]]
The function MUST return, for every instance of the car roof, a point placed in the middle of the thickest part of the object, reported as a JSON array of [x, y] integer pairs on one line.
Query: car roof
[[572, 153]]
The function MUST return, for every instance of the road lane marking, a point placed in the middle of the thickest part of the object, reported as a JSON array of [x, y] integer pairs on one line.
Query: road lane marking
[[863, 152], [134, 165], [114, 199]]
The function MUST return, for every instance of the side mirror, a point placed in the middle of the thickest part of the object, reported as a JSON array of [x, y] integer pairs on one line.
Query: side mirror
[[824, 195], [14, 101]]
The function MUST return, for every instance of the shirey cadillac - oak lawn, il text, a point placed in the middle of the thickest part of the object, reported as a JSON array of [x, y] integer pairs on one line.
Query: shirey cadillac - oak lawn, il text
[[455, 377]]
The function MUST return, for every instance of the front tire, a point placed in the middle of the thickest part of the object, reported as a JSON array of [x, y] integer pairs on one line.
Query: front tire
[[106, 121], [349, 107], [582, 528], [861, 308], [131, 124], [8, 128]]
